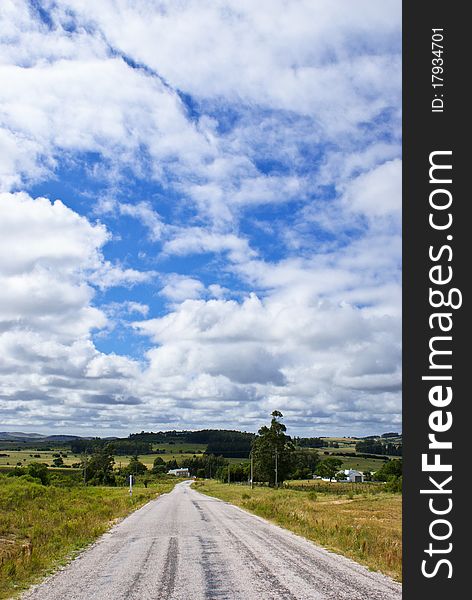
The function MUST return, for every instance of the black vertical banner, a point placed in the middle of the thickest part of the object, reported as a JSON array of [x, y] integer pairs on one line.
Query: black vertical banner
[[436, 321]]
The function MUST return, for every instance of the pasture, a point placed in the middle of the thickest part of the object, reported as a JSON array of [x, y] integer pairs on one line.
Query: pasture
[[178, 451]]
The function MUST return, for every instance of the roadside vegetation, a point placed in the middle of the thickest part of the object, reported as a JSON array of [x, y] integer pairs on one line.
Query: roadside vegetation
[[361, 521], [58, 494], [45, 523]]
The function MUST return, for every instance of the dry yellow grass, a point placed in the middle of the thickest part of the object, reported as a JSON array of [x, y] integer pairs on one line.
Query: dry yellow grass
[[43, 526], [364, 527]]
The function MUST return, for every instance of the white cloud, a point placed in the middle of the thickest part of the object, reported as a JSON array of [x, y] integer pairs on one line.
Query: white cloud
[[196, 240], [108, 275], [179, 288], [49, 256], [228, 108], [326, 355], [144, 212], [46, 234], [270, 52], [376, 193], [113, 120]]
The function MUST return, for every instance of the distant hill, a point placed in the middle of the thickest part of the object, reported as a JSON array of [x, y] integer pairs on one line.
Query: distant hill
[[17, 436], [20, 436], [64, 438]]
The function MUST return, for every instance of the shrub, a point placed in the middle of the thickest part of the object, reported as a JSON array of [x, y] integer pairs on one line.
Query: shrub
[[39, 471]]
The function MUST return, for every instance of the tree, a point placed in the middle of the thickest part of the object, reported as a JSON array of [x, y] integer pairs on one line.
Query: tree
[[39, 471], [135, 467], [389, 470], [329, 467], [58, 462], [303, 464], [272, 451], [159, 467], [234, 471], [207, 463], [99, 469]]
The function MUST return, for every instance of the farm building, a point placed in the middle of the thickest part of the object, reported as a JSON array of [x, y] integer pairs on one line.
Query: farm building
[[182, 472], [353, 476]]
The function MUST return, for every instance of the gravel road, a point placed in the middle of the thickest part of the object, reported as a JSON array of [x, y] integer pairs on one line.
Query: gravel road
[[187, 546]]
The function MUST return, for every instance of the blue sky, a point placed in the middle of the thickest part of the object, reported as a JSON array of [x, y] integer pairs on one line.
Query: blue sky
[[200, 215]]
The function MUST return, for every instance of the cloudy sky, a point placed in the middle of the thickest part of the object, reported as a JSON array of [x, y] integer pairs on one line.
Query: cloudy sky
[[200, 215]]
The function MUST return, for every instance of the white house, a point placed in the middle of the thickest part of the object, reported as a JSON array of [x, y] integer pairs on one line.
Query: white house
[[353, 476], [182, 472]]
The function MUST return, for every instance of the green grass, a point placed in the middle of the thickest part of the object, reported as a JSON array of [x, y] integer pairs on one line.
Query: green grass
[[25, 457], [178, 451], [335, 488], [42, 527], [148, 459], [361, 464], [365, 526], [341, 440], [354, 462]]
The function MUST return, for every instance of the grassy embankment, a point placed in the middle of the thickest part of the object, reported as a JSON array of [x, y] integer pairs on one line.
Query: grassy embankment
[[359, 521], [42, 527]]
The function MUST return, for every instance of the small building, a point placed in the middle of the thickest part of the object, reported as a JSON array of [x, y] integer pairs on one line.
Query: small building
[[354, 476], [182, 472]]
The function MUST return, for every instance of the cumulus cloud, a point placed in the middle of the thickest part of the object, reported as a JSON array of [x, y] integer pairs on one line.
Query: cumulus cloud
[[280, 353], [376, 193], [179, 288], [196, 240], [248, 154], [50, 257]]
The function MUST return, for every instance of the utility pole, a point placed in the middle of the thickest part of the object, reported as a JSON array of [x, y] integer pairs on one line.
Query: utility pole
[[276, 469]]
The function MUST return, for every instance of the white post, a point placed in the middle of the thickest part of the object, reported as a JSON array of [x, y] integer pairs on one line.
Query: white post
[[276, 470], [130, 486], [252, 471], [85, 465]]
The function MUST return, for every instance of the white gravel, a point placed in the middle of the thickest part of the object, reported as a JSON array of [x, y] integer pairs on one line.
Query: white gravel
[[187, 546]]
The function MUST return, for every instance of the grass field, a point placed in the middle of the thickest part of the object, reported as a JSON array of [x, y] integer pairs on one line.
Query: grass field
[[43, 526], [148, 459], [24, 457], [335, 488], [344, 443], [361, 464], [30, 455], [364, 526], [352, 462]]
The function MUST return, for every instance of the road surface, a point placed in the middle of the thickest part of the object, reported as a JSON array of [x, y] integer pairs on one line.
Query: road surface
[[187, 546]]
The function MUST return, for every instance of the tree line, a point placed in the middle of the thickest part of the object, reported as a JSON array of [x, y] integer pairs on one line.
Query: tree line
[[376, 446]]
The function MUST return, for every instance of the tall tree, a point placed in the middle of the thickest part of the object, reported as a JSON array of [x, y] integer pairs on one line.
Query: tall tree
[[272, 451], [329, 467], [100, 467]]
